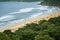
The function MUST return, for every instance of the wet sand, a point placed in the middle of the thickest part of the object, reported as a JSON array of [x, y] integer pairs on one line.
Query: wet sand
[[42, 17]]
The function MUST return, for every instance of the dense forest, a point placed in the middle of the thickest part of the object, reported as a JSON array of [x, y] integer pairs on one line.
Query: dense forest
[[51, 2], [44, 30]]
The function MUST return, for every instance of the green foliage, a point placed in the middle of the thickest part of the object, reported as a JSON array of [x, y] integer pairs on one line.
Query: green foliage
[[26, 34], [44, 30], [4, 37], [51, 2], [33, 26], [45, 37], [54, 32], [11, 35], [55, 20]]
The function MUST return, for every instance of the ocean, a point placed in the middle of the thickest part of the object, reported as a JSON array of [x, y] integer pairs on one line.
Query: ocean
[[12, 13]]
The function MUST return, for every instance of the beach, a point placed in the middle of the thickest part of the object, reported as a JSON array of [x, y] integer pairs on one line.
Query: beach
[[43, 17], [16, 15]]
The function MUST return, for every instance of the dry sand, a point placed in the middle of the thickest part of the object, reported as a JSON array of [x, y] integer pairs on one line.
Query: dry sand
[[43, 17]]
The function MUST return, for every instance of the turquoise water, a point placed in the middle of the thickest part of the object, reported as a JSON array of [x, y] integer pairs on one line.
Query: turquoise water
[[14, 12]]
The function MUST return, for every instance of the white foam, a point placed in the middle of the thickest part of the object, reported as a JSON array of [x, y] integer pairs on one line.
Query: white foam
[[42, 7], [22, 10], [14, 12], [50, 11], [38, 2], [1, 24], [39, 5], [26, 10], [33, 16], [6, 18], [16, 21]]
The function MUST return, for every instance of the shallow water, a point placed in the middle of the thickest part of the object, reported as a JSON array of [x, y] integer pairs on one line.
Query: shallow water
[[14, 12]]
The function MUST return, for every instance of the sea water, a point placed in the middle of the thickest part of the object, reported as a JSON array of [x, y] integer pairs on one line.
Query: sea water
[[14, 12]]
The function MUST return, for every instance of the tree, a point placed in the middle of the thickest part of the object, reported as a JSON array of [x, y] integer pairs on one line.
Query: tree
[[11, 35], [54, 32], [55, 20], [33, 26], [43, 35], [4, 37], [26, 34], [44, 30], [51, 2]]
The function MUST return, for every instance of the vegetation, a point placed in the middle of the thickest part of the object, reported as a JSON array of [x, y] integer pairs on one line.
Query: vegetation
[[51, 2], [44, 30]]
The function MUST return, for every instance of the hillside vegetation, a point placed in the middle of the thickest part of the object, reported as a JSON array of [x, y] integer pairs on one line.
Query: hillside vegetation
[[51, 2], [44, 30]]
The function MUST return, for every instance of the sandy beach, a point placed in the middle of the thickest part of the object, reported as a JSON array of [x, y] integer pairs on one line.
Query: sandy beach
[[34, 20], [43, 17]]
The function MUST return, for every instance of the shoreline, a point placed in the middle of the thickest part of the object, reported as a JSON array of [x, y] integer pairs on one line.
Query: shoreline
[[36, 20]]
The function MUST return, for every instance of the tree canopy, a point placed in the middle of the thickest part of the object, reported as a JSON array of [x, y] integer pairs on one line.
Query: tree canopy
[[51, 2], [44, 30]]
